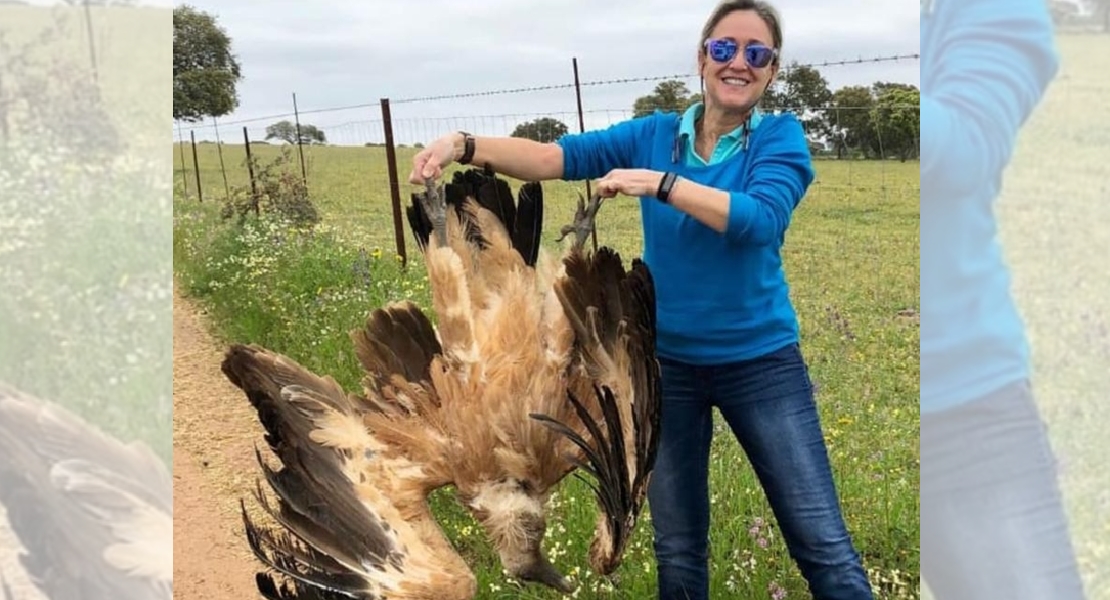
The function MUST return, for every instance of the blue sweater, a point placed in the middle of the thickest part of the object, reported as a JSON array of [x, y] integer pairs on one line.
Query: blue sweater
[[985, 65], [720, 297]]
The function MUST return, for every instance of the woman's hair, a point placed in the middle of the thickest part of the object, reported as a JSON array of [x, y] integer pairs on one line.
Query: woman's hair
[[765, 11]]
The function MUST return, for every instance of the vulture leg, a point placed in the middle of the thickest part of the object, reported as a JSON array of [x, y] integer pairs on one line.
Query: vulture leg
[[435, 206], [583, 224]]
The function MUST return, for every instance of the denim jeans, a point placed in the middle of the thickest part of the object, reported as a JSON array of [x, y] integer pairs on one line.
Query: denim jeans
[[768, 403], [993, 524]]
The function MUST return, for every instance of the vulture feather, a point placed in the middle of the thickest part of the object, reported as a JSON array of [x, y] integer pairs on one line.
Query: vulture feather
[[82, 515], [537, 365]]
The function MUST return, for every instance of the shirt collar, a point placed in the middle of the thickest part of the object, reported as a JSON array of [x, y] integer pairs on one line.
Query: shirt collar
[[695, 111]]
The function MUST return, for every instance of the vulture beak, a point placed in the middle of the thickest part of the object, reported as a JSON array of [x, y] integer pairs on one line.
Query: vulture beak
[[512, 514], [543, 572]]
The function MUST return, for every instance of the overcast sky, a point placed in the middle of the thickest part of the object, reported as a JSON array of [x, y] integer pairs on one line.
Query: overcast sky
[[336, 53]]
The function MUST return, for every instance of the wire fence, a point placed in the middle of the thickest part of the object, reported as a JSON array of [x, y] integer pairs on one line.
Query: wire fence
[[352, 124], [378, 139]]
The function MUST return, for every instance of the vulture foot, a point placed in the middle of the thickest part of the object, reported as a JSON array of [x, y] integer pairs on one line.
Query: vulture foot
[[434, 203], [583, 224]]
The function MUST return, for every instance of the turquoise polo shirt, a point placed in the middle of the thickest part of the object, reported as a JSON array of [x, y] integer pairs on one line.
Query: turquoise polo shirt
[[727, 146]]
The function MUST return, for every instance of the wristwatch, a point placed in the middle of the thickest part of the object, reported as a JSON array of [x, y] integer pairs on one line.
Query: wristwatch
[[663, 194], [468, 149]]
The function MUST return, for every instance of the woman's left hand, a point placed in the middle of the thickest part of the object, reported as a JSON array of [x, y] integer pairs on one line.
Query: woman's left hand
[[630, 182]]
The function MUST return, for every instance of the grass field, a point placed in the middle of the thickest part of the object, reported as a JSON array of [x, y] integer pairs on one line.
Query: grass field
[[85, 233], [852, 261], [1055, 220]]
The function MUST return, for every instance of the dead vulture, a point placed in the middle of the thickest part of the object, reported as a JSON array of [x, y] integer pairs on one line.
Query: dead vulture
[[82, 515], [536, 366]]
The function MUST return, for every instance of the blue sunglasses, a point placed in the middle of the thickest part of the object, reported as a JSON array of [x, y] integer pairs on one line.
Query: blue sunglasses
[[724, 50]]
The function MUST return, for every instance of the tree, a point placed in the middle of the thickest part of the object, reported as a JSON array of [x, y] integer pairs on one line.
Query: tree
[[669, 96], [1100, 10], [205, 72], [286, 131], [896, 116], [849, 122], [543, 129], [803, 89]]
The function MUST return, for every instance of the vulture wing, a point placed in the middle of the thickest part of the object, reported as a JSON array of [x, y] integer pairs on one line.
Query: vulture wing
[[82, 515], [613, 386], [352, 515]]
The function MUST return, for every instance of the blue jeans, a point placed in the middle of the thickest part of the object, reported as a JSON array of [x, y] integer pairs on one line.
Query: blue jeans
[[993, 523], [768, 403]]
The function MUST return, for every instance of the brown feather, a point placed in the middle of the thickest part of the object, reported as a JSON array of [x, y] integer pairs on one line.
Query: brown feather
[[354, 503], [519, 332], [87, 515]]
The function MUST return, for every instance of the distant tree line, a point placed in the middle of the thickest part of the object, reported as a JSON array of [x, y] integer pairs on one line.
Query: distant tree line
[[882, 119]]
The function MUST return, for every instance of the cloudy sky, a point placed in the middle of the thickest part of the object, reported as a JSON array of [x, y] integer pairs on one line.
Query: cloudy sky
[[335, 53]]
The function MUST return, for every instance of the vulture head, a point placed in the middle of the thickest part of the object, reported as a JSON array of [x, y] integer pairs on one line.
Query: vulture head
[[513, 515], [537, 366]]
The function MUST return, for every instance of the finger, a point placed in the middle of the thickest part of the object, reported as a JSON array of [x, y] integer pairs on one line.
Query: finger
[[606, 188], [418, 163]]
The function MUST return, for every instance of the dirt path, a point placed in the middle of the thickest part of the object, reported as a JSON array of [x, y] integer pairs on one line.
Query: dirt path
[[214, 433]]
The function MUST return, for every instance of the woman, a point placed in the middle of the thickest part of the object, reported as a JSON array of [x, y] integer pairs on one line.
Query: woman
[[993, 523], [718, 185]]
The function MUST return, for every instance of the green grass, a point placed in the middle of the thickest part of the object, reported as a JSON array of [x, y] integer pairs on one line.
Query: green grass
[[852, 261], [84, 224], [1055, 219]]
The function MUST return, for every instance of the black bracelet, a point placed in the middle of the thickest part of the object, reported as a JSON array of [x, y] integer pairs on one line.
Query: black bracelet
[[663, 194], [468, 149]]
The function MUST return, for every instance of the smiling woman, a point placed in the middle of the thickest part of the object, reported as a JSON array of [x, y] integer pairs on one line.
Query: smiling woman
[[718, 185]]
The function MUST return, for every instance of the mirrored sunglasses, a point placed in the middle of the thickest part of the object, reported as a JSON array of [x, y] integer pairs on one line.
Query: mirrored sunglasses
[[724, 50]]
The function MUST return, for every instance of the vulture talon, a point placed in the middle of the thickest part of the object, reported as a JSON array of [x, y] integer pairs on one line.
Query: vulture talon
[[435, 206], [584, 221]]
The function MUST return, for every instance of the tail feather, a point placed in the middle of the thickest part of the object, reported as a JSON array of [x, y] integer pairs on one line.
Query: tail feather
[[523, 220], [419, 223], [593, 295], [492, 194], [528, 225]]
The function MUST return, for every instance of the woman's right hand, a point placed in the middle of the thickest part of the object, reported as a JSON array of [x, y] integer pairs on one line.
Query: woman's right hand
[[429, 162]]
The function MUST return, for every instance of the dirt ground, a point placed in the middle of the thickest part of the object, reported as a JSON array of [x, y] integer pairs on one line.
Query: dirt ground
[[214, 435]]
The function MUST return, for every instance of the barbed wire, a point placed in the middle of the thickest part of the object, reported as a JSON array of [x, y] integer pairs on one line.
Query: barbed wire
[[623, 80], [804, 112], [537, 88]]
